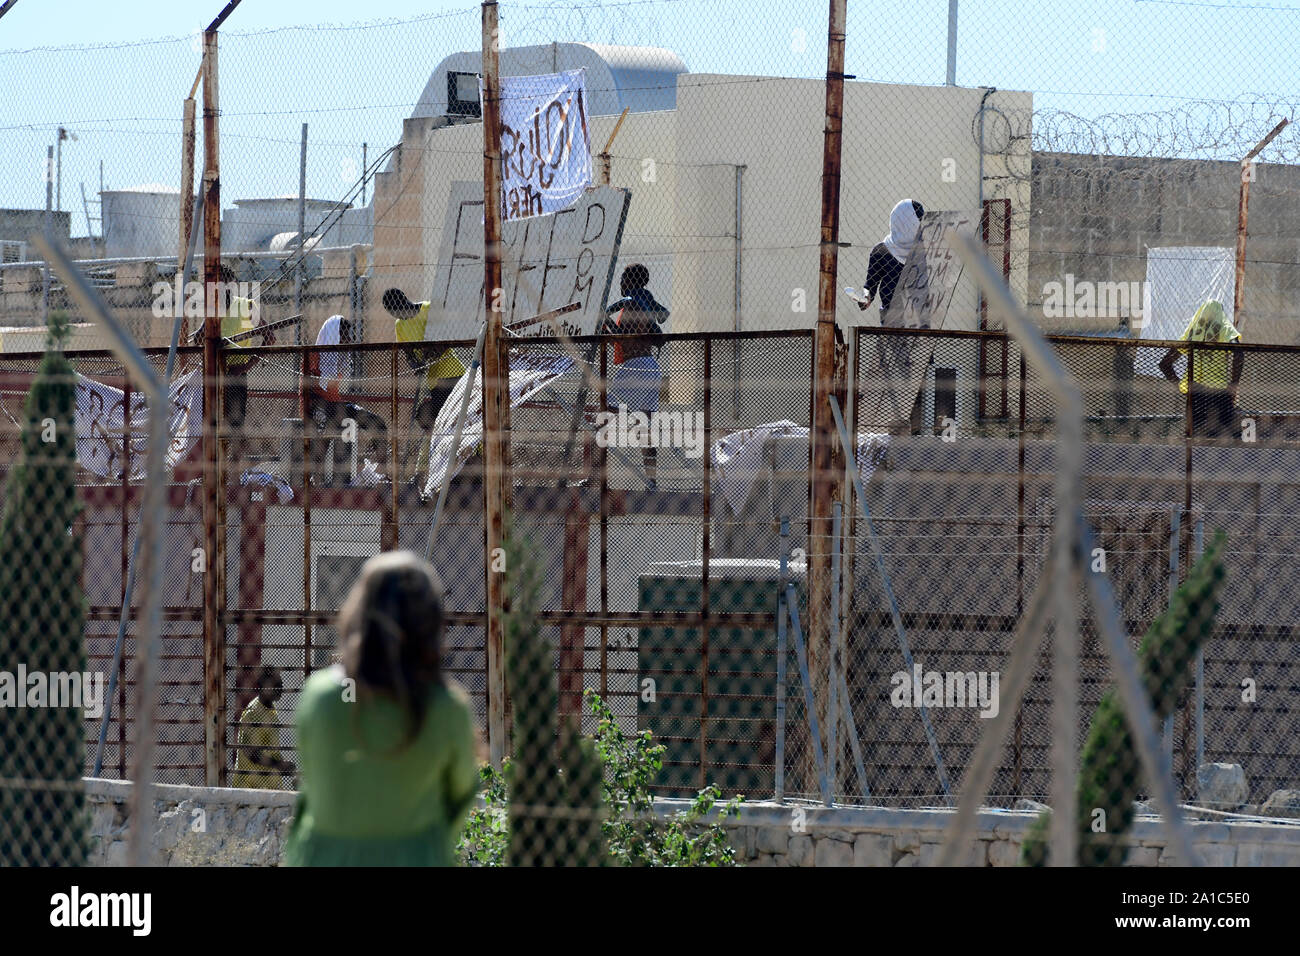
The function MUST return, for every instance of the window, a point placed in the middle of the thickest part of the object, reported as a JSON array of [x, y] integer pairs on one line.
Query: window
[[462, 94]]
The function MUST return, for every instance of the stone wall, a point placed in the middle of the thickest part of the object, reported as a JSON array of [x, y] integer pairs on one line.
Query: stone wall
[[197, 826], [771, 835], [1094, 216], [201, 826]]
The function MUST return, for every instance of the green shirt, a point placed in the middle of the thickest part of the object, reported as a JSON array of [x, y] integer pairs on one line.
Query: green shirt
[[367, 798]]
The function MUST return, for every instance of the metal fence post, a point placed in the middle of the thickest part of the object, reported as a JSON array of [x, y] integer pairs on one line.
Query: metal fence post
[[495, 392], [837, 657], [825, 483], [779, 794], [1199, 545], [301, 269], [1175, 537], [214, 660]]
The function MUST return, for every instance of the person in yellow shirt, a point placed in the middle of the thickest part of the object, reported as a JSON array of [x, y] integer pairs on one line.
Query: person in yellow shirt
[[443, 370], [1215, 372], [236, 313], [258, 763]]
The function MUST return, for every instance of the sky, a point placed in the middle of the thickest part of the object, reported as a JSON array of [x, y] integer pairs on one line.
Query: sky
[[353, 71]]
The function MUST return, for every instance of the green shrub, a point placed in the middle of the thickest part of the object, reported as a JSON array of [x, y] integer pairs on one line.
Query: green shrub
[[635, 836], [487, 829], [1110, 773]]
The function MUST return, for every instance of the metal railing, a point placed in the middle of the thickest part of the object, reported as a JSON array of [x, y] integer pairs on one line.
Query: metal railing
[[962, 528]]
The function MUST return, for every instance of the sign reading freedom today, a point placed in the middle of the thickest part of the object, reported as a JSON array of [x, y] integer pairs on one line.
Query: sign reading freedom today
[[546, 262], [921, 300]]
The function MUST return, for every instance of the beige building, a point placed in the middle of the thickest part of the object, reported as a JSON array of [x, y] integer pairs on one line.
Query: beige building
[[724, 174], [726, 189]]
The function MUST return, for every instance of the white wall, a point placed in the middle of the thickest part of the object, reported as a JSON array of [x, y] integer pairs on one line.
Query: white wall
[[899, 141]]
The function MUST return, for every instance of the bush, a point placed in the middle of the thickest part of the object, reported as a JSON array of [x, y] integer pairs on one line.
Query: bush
[[635, 835], [43, 624], [487, 829]]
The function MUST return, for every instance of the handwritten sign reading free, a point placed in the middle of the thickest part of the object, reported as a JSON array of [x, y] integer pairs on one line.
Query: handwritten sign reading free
[[546, 262]]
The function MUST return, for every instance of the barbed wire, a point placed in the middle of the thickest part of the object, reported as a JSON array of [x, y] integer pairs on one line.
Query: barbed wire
[[1197, 130]]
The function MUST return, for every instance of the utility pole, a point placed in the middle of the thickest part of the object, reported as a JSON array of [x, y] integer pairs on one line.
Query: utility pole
[[1243, 211], [58, 175], [187, 176], [496, 393], [824, 482], [49, 234], [951, 78], [302, 222], [214, 657]]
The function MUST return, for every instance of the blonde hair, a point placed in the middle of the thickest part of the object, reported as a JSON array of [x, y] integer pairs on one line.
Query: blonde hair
[[390, 632]]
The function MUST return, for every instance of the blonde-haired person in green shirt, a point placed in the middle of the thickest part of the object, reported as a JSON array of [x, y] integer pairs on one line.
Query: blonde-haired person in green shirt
[[386, 745]]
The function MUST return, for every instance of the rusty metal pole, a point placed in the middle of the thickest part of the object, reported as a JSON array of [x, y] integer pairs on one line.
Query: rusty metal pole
[[824, 484], [213, 642], [187, 182], [495, 393], [1243, 209], [1239, 276], [606, 161]]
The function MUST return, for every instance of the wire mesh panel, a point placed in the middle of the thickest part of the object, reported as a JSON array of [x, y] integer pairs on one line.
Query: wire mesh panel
[[671, 617]]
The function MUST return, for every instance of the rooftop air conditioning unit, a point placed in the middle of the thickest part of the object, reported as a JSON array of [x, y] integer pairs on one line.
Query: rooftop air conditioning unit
[[462, 94]]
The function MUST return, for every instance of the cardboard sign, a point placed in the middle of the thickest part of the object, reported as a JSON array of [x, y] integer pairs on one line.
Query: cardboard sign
[[546, 262], [893, 376]]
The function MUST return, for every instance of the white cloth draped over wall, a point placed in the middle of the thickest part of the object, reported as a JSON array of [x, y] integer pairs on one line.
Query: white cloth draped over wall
[[101, 419]]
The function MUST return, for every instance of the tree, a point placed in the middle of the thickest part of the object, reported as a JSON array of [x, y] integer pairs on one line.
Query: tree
[[42, 628], [1110, 773], [554, 778]]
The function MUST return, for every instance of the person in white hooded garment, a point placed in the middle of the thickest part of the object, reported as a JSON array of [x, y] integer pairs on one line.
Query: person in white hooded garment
[[885, 265]]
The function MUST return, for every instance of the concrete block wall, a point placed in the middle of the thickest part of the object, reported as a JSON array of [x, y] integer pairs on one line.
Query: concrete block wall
[[772, 835], [208, 826]]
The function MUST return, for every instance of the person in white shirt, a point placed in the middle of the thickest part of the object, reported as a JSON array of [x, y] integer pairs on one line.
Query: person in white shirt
[[327, 373]]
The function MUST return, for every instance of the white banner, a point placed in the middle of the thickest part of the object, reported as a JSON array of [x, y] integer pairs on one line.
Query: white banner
[[102, 438], [1181, 279], [545, 150], [740, 456], [529, 374]]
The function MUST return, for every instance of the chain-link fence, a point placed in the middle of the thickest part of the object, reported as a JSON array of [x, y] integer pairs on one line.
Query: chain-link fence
[[963, 513], [958, 506], [671, 551]]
